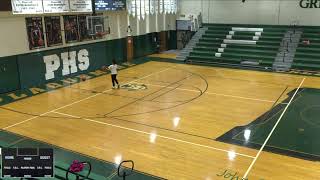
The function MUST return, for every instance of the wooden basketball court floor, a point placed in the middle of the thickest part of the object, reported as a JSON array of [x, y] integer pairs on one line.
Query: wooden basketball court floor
[[169, 128]]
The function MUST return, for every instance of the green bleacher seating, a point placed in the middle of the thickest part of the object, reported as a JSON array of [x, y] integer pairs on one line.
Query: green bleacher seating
[[263, 52], [307, 57]]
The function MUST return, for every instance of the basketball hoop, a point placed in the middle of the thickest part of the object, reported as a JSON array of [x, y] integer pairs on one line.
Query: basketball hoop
[[98, 25]]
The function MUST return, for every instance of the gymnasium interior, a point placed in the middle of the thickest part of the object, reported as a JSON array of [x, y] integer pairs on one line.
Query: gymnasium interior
[[208, 89]]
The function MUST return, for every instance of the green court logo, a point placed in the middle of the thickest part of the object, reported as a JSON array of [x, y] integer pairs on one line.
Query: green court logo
[[134, 87]]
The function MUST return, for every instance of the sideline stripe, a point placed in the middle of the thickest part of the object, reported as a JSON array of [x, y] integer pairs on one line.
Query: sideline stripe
[[161, 136], [274, 127]]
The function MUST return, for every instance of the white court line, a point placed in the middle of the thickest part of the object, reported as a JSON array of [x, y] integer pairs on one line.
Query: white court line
[[79, 101], [226, 95], [147, 133], [112, 175], [16, 142], [274, 127]]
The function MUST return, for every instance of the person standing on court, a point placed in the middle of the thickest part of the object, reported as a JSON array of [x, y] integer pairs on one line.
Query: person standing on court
[[113, 68]]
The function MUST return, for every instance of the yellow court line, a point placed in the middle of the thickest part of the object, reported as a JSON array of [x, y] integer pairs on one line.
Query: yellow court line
[[79, 101], [147, 133]]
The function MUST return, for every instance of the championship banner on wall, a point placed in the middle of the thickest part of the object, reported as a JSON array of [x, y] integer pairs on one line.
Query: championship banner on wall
[[35, 32], [26, 7], [71, 28], [166, 5], [55, 6], [50, 6], [53, 30], [152, 6], [161, 6], [80, 5]]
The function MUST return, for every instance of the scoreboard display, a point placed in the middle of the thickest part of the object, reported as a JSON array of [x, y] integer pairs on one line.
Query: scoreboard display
[[27, 163], [110, 5]]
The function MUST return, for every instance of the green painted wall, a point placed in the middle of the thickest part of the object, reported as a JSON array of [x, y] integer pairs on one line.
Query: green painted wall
[[116, 49], [9, 75], [33, 69], [172, 40], [144, 45], [27, 70]]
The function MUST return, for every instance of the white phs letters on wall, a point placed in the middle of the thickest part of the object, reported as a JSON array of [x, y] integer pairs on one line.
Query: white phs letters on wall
[[71, 62]]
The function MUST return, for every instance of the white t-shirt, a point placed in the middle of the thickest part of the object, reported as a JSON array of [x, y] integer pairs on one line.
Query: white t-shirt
[[113, 69]]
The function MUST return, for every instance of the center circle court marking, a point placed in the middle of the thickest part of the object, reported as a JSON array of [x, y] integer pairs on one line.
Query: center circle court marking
[[160, 107], [307, 115]]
